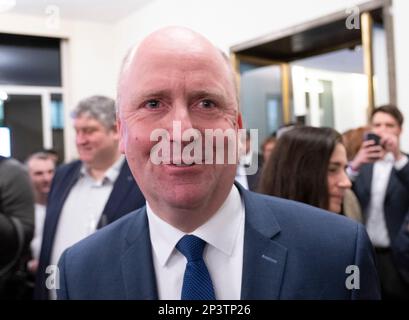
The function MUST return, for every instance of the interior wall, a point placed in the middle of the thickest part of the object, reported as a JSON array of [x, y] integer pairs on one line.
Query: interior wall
[[89, 66]]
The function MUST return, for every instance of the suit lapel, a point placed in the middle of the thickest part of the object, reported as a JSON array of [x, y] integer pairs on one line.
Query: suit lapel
[[392, 183], [136, 261], [367, 173], [51, 221], [120, 190], [263, 258]]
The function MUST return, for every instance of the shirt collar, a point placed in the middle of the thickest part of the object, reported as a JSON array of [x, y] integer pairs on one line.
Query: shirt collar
[[388, 158], [220, 231], [110, 175], [246, 159]]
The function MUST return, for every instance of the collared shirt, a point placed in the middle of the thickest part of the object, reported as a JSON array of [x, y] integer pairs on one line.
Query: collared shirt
[[223, 254], [376, 224], [83, 208], [39, 216], [241, 173]]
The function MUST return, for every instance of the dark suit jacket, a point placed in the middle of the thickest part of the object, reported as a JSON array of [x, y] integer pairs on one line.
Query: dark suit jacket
[[291, 251], [397, 196], [401, 250], [124, 198]]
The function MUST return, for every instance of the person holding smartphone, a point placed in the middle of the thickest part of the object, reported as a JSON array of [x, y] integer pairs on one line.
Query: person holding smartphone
[[380, 175]]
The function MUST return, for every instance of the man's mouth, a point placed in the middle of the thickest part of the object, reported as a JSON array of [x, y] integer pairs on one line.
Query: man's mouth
[[183, 165]]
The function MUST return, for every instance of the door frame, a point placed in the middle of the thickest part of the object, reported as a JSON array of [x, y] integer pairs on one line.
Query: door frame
[[239, 53]]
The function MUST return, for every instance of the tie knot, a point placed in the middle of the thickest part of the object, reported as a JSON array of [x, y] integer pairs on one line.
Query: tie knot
[[191, 247]]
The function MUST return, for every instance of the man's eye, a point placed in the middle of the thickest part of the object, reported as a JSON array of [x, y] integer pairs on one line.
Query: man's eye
[[207, 104], [152, 104]]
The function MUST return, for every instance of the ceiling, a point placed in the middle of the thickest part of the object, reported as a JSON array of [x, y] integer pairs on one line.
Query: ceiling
[[106, 11]]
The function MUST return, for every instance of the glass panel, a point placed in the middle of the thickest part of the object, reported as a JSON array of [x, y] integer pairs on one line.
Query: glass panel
[[331, 89], [261, 100], [23, 117], [57, 121], [380, 65], [5, 145], [32, 61]]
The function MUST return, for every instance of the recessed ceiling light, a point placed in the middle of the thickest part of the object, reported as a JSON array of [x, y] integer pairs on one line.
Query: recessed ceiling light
[[3, 96]]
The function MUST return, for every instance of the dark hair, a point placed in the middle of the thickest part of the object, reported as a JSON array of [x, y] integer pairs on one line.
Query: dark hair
[[298, 166], [392, 111]]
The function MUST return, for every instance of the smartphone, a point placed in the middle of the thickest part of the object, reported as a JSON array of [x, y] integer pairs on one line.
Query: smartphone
[[374, 137]]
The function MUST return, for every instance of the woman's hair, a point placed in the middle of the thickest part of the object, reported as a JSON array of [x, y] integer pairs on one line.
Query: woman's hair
[[298, 166], [353, 139]]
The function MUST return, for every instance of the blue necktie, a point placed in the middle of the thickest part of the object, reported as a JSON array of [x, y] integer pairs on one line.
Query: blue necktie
[[197, 284]]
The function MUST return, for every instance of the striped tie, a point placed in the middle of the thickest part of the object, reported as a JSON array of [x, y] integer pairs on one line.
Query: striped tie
[[197, 284]]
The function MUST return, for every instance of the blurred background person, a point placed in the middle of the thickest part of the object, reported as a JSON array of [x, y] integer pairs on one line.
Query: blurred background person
[[41, 168], [267, 147], [53, 154], [308, 165], [380, 175], [16, 226], [89, 193]]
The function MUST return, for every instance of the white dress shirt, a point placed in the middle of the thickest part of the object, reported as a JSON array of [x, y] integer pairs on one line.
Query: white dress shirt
[[83, 208], [223, 254], [39, 216]]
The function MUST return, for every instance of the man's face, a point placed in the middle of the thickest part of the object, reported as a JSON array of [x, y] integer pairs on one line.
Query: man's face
[[94, 141], [383, 123], [338, 181], [268, 148], [193, 88], [41, 173]]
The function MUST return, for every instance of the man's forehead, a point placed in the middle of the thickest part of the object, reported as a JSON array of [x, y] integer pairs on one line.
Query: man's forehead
[[39, 164], [84, 120]]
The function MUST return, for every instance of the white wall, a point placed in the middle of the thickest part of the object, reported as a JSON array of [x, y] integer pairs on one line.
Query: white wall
[[89, 58], [401, 27]]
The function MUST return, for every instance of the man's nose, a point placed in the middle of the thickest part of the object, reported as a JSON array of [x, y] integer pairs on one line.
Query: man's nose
[[80, 138], [49, 177], [181, 120]]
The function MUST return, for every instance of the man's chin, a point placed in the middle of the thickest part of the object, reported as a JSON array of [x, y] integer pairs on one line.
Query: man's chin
[[188, 198]]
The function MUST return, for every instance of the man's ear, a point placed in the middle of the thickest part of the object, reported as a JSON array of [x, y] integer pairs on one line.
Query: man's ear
[[119, 129]]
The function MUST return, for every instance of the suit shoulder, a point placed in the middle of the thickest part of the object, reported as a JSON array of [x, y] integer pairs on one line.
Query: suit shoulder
[[68, 167], [306, 219], [109, 239]]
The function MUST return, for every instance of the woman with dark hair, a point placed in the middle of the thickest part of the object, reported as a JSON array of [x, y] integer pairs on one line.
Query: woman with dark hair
[[308, 165]]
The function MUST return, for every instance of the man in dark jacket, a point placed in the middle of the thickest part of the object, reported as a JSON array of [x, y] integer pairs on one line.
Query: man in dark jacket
[[88, 194], [380, 172], [16, 216]]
